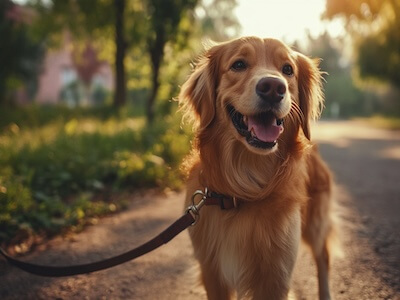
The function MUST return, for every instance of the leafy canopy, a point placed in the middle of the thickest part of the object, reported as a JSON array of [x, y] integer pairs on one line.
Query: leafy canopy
[[374, 25]]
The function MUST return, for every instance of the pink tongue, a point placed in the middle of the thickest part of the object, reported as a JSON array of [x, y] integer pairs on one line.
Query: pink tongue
[[266, 132]]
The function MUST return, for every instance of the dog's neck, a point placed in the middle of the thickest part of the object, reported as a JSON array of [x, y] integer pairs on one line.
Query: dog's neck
[[228, 167]]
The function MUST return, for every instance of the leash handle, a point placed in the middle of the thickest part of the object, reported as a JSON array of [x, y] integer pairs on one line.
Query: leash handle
[[60, 271]]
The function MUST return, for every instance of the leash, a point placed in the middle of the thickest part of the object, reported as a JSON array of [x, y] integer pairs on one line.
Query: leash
[[190, 218]]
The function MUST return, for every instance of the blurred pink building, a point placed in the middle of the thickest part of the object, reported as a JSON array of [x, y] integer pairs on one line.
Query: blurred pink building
[[59, 80]]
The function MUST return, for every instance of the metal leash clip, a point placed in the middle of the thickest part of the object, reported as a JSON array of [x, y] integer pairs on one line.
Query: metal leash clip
[[194, 209]]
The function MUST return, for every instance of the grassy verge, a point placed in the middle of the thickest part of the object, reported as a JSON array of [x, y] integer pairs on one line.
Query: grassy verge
[[60, 167], [391, 123]]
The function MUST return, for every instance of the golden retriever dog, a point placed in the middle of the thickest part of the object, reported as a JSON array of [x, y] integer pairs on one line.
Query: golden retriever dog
[[252, 101]]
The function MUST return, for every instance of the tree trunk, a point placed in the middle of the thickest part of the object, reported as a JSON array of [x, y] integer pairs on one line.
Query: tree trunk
[[155, 84], [120, 82], [156, 56]]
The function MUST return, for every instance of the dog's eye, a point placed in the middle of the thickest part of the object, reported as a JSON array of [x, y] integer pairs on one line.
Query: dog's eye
[[239, 65], [287, 69]]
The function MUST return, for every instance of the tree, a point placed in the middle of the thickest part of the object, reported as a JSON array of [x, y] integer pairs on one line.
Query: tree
[[120, 81], [379, 55], [343, 98], [20, 52], [89, 20], [374, 25], [153, 21], [165, 17], [184, 23], [145, 26], [217, 19]]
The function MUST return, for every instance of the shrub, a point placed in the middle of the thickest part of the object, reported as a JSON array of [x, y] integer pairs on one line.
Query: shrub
[[54, 166]]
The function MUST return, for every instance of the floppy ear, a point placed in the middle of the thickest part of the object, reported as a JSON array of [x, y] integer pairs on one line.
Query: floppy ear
[[311, 96], [199, 92]]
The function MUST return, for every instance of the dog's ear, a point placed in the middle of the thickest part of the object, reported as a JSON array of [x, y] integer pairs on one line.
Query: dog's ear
[[199, 92], [311, 96]]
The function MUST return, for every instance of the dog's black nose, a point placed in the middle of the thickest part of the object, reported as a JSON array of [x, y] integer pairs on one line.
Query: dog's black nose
[[271, 89]]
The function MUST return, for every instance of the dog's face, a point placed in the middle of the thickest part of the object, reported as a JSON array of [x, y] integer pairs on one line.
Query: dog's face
[[255, 89], [259, 85]]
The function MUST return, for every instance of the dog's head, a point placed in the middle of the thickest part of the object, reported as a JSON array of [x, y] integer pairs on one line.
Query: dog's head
[[255, 90]]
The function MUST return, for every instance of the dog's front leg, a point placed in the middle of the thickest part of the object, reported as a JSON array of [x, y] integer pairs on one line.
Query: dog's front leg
[[274, 279], [214, 284]]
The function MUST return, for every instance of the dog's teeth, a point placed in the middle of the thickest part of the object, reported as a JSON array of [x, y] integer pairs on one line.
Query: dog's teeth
[[245, 121], [253, 134]]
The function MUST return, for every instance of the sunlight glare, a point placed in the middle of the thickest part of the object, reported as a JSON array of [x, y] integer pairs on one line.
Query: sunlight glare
[[289, 20]]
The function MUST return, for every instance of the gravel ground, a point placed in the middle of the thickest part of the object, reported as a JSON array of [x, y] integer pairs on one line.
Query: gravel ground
[[366, 164]]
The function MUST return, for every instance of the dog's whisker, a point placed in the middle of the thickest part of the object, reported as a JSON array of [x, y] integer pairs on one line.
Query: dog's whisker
[[294, 117], [296, 109]]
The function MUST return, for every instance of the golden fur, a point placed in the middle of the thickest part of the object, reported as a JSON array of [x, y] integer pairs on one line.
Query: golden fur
[[250, 251]]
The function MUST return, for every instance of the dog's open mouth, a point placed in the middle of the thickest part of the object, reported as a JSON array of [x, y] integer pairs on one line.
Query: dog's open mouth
[[261, 130]]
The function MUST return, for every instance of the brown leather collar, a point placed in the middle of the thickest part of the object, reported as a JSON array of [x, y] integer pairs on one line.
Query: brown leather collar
[[223, 201]]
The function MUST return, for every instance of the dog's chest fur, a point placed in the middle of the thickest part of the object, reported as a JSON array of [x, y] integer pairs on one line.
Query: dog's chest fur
[[242, 243], [238, 266]]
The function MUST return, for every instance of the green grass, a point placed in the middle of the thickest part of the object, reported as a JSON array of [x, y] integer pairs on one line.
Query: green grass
[[391, 123], [61, 167]]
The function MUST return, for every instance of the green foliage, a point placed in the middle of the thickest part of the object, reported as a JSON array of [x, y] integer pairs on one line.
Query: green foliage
[[379, 56], [164, 19], [82, 18], [165, 16], [37, 116], [361, 9], [54, 169], [343, 99], [374, 26], [20, 53]]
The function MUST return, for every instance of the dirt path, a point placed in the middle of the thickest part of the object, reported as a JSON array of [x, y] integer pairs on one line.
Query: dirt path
[[366, 163]]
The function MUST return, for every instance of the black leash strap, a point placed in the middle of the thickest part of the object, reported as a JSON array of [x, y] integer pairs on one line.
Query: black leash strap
[[189, 218], [164, 237]]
